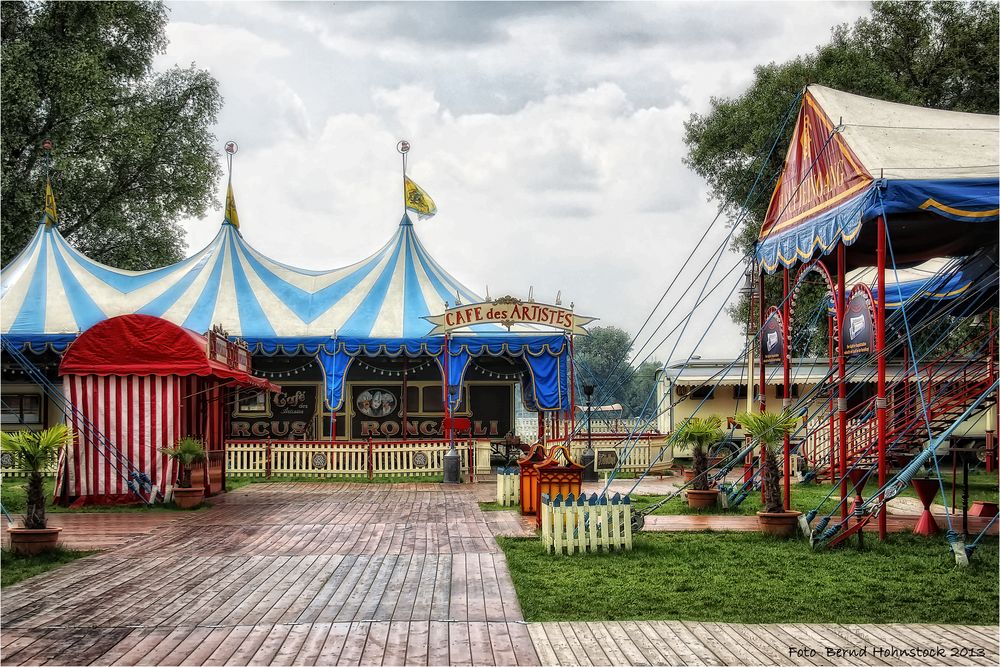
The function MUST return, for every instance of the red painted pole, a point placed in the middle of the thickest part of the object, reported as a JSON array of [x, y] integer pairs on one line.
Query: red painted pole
[[840, 300], [762, 391], [786, 400], [833, 428], [880, 402], [991, 442], [572, 387]]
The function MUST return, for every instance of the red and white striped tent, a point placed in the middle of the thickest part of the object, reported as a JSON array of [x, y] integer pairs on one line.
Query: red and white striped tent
[[139, 383]]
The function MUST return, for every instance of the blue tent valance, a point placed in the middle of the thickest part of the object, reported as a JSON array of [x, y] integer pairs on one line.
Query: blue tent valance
[[546, 357], [961, 201]]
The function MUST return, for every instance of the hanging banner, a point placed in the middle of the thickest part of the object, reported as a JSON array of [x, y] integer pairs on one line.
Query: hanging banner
[[508, 311], [859, 322], [772, 339], [821, 171]]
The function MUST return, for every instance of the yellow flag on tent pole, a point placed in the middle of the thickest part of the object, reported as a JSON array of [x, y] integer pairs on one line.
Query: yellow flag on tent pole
[[51, 214], [231, 216], [417, 200]]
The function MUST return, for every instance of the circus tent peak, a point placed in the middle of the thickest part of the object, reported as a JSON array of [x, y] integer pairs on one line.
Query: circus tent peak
[[853, 159], [52, 288]]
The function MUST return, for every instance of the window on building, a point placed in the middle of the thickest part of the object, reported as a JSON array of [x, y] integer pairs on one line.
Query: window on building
[[703, 392], [779, 391], [252, 402], [739, 391], [21, 409]]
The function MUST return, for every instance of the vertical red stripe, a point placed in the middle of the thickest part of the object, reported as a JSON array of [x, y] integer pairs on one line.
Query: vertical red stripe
[[141, 439], [166, 387], [110, 444], [93, 462], [73, 467], [126, 406], [154, 422]]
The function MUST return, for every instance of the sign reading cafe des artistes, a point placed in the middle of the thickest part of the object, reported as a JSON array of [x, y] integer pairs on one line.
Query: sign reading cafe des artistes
[[508, 311]]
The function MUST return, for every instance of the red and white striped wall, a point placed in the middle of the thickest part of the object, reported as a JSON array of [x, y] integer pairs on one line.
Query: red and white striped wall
[[137, 415]]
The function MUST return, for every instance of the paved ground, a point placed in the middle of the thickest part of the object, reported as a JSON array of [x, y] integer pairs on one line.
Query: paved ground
[[368, 574]]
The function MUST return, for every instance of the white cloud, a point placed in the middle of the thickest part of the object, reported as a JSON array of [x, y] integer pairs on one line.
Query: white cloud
[[549, 135]]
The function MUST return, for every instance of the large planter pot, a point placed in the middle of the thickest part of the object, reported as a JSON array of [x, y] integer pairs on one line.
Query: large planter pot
[[699, 500], [188, 498], [779, 524], [31, 541]]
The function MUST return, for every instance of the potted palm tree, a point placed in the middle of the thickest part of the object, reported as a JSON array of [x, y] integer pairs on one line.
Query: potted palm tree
[[186, 453], [35, 449], [699, 433], [769, 430]]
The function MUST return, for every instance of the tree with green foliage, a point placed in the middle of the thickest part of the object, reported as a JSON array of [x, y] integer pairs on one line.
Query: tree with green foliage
[[133, 152], [186, 452], [602, 359], [769, 429], [934, 54], [35, 449], [700, 433]]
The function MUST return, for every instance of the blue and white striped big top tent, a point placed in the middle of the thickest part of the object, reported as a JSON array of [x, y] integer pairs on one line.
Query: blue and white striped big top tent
[[376, 307]]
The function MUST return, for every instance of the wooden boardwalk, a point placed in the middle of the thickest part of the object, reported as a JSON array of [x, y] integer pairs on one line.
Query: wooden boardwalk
[[695, 643], [366, 574], [285, 574], [95, 531]]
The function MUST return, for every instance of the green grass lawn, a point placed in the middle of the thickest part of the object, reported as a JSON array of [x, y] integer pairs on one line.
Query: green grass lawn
[[750, 578], [982, 486], [15, 568], [497, 507]]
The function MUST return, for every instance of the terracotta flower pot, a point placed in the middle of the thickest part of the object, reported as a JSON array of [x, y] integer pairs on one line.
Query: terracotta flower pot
[[779, 524], [699, 500], [31, 541], [188, 498], [688, 475]]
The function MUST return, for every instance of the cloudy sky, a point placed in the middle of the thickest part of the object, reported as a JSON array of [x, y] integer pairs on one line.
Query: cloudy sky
[[548, 134]]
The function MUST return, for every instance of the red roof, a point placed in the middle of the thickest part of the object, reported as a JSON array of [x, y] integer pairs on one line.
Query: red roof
[[147, 345]]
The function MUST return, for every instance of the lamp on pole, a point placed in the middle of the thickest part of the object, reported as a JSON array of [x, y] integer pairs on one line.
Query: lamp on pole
[[452, 467], [589, 472]]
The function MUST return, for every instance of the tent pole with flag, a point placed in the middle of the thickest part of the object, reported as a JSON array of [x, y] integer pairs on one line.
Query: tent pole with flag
[[415, 198]]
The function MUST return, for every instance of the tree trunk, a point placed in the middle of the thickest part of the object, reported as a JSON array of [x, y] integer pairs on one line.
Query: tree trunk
[[699, 466], [773, 502], [34, 516], [185, 480]]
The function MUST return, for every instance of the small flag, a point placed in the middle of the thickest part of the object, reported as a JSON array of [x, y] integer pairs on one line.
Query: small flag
[[51, 215], [231, 215], [417, 200]]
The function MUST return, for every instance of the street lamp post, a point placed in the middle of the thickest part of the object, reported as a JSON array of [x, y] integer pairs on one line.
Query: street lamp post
[[452, 467], [589, 472]]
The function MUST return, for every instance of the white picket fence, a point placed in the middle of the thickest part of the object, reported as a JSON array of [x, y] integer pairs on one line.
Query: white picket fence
[[508, 487], [586, 523], [12, 465], [410, 458]]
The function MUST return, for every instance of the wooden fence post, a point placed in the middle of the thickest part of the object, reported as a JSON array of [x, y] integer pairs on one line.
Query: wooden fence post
[[371, 460], [267, 459]]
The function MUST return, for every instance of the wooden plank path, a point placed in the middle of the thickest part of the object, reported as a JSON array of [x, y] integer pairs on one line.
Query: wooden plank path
[[283, 574], [94, 531], [301, 574], [697, 643]]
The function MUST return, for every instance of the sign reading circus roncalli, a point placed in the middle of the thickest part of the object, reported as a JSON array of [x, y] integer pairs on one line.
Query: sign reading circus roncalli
[[508, 311]]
